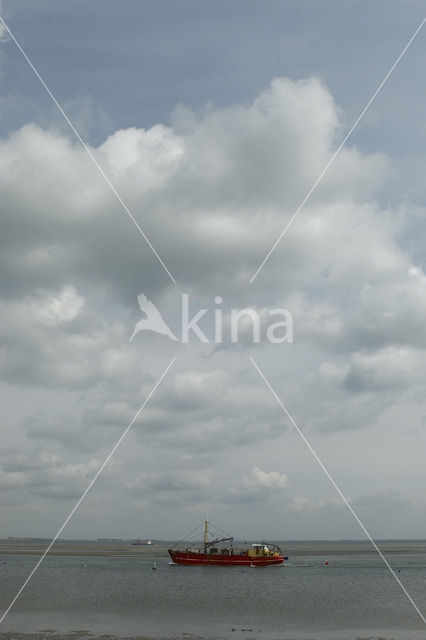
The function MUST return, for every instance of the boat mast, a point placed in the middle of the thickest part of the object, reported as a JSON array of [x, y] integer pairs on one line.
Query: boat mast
[[206, 524]]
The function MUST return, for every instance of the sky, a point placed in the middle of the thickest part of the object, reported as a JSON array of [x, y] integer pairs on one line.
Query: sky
[[212, 121]]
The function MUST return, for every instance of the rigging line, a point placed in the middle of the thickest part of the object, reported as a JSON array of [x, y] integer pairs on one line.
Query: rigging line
[[221, 530], [187, 536]]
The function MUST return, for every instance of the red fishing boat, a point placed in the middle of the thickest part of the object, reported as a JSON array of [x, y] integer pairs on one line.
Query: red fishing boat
[[221, 551]]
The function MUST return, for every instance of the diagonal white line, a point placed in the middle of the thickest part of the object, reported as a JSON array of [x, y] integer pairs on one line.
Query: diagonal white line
[[333, 157], [337, 489], [92, 157], [92, 482]]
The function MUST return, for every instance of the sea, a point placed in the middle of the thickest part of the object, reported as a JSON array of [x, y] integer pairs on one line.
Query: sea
[[314, 597]]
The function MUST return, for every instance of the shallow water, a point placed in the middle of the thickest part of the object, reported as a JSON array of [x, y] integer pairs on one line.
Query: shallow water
[[352, 596]]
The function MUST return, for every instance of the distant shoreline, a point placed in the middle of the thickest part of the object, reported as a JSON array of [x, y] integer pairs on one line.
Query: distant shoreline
[[117, 549]]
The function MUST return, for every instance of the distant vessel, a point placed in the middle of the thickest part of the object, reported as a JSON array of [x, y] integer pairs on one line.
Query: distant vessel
[[221, 551]]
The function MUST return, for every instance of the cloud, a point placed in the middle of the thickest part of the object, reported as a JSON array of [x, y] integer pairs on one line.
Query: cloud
[[194, 412], [214, 190], [44, 475], [260, 485], [53, 310], [168, 488], [262, 480], [388, 369], [49, 340]]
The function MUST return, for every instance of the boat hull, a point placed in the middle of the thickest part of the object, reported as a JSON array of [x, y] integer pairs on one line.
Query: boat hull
[[189, 558]]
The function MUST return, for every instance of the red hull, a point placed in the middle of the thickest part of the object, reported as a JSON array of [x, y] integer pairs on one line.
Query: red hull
[[190, 559]]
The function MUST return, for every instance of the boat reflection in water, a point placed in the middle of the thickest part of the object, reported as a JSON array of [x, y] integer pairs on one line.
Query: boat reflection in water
[[221, 551]]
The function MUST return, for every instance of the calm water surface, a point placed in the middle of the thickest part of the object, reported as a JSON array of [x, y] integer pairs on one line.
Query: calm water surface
[[352, 596]]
